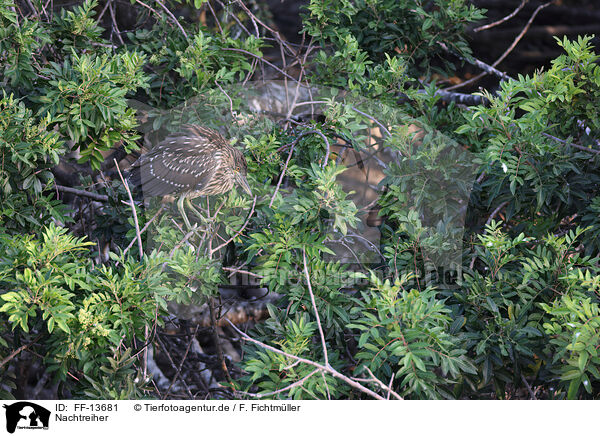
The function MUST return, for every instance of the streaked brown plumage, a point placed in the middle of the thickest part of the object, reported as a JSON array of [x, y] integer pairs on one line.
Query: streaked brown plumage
[[196, 162]]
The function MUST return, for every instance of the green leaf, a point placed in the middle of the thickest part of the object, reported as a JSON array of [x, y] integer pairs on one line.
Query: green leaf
[[573, 388], [582, 361]]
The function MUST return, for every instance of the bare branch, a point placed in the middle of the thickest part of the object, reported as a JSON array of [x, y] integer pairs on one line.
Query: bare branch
[[381, 126], [314, 304], [132, 204], [495, 212], [228, 97], [144, 228], [533, 397], [241, 271], [103, 11], [382, 385], [570, 144], [390, 386], [287, 388], [212, 11], [177, 370], [18, 350], [502, 20], [111, 8], [261, 59], [327, 369], [170, 14], [275, 33], [187, 236], [508, 50], [489, 69], [82, 193], [460, 98]]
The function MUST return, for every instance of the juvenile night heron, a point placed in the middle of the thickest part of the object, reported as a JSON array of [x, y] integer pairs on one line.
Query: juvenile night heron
[[196, 162]]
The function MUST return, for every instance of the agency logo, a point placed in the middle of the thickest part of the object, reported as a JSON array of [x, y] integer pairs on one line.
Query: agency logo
[[26, 415]]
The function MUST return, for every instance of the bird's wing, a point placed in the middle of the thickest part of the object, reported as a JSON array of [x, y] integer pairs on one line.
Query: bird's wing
[[178, 164], [201, 133]]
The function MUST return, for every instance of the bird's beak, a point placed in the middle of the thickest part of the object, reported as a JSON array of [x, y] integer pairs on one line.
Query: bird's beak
[[244, 184]]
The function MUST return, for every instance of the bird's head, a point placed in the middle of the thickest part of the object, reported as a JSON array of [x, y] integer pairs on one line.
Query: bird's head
[[240, 169]]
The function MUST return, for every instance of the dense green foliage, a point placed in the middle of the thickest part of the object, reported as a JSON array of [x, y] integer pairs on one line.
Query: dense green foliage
[[521, 311]]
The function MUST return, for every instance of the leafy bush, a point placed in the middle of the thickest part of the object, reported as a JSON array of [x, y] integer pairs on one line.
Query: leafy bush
[[28, 152], [407, 334], [84, 313]]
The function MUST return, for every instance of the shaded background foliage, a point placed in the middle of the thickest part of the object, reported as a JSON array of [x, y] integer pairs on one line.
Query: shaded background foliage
[[85, 314]]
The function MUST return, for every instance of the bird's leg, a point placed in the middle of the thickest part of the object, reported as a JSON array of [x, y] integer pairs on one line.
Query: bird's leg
[[194, 210], [182, 211]]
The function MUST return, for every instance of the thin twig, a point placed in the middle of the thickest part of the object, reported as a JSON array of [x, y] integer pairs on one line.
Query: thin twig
[[326, 157], [18, 350], [382, 385], [285, 80], [215, 332], [162, 206], [489, 220], [161, 343], [502, 20], [570, 144], [508, 50], [390, 385], [241, 271], [343, 244], [287, 388], [523, 32], [381, 126], [145, 353], [482, 65], [297, 92], [327, 369], [495, 212], [533, 397], [256, 31], [82, 193], [229, 98], [33, 9], [167, 11], [275, 67], [114, 20], [326, 385], [103, 11], [239, 231], [369, 243], [49, 18], [212, 11], [148, 7], [172, 17], [187, 350], [275, 33], [287, 161], [459, 98], [314, 304], [132, 204], [311, 102], [235, 18], [187, 236]]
